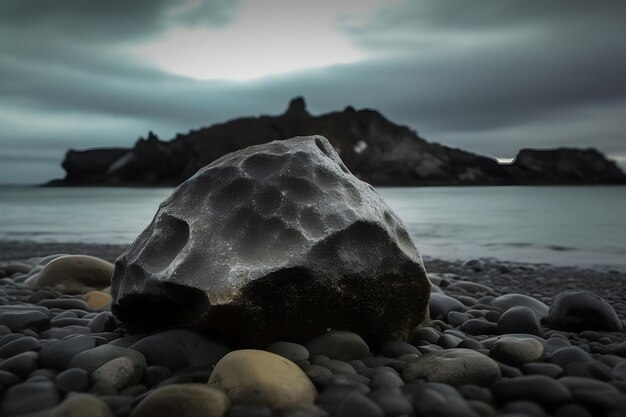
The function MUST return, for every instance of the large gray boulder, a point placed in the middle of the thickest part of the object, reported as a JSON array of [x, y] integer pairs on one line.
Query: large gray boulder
[[274, 242]]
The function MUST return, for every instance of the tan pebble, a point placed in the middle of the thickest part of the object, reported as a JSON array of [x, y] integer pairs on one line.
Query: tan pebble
[[74, 274], [97, 299], [80, 405], [517, 351], [117, 374], [258, 377], [183, 400]]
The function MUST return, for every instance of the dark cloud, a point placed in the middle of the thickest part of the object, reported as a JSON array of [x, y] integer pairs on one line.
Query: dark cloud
[[490, 77], [104, 21], [415, 22]]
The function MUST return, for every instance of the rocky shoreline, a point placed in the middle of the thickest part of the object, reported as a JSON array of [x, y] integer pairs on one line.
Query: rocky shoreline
[[493, 347]]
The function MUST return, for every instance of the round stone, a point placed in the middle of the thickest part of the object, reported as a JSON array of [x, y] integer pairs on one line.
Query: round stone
[[103, 322], [74, 274], [572, 410], [73, 380], [7, 379], [385, 380], [257, 377], [29, 397], [155, 374], [334, 394], [453, 367], [516, 351], [620, 371], [582, 310], [308, 411], [78, 405], [474, 392], [338, 367], [17, 267], [64, 332], [424, 334], [471, 344], [576, 383], [519, 319], [65, 304], [523, 408], [292, 351], [569, 355], [537, 388], [97, 299], [21, 365], [339, 344], [392, 402], [482, 409], [555, 343], [473, 265], [437, 400], [456, 318], [504, 302], [397, 348], [317, 371], [116, 375], [18, 318], [92, 359], [244, 410], [57, 354], [478, 326], [356, 404], [180, 348], [542, 368], [183, 400], [448, 341], [473, 288], [21, 345], [441, 305]]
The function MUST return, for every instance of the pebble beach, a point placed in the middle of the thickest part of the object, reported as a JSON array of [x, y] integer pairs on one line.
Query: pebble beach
[[494, 346]]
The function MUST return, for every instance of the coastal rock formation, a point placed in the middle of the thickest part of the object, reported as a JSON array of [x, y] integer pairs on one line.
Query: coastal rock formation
[[276, 241], [374, 149]]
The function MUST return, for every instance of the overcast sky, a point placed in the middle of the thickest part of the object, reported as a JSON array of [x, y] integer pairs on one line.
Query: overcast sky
[[489, 76]]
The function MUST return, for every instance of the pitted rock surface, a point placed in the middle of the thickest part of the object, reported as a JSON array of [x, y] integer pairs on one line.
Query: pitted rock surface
[[276, 241]]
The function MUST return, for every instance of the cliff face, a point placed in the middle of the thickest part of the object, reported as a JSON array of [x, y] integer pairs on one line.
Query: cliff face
[[374, 149]]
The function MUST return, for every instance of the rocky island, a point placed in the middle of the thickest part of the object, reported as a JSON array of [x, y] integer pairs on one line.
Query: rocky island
[[374, 149]]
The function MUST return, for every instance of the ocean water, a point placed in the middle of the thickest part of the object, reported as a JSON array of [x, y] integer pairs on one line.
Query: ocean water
[[559, 225]]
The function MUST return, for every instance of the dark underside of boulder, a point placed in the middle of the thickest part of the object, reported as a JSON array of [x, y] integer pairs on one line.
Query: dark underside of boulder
[[289, 304], [164, 306], [293, 305]]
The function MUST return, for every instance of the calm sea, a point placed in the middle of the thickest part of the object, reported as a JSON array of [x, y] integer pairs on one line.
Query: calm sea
[[559, 225]]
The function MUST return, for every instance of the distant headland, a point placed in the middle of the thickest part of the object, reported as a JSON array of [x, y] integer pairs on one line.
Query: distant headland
[[375, 149]]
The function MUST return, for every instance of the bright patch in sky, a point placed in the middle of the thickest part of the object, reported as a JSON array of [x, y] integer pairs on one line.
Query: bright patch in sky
[[266, 38]]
